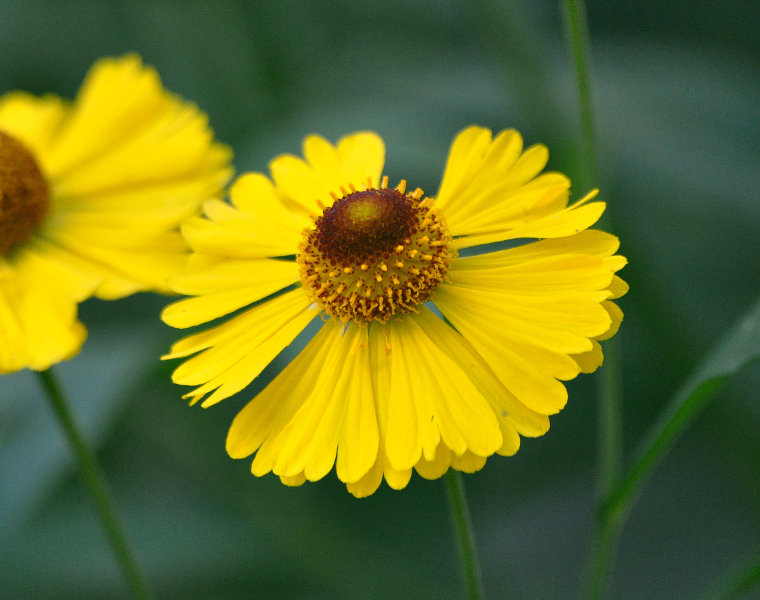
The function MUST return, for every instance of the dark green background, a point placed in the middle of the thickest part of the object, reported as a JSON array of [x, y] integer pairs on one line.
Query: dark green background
[[676, 94]]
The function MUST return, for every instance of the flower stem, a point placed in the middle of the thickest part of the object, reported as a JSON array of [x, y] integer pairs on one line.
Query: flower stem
[[737, 583], [96, 485], [465, 535], [610, 395], [608, 525], [574, 12]]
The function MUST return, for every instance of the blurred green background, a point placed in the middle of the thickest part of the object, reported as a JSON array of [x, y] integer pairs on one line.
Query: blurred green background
[[676, 93]]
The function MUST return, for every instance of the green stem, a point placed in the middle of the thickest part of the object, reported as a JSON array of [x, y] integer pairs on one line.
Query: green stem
[[96, 485], [608, 526], [738, 347], [602, 556], [737, 583], [609, 421], [465, 536], [578, 40], [675, 420]]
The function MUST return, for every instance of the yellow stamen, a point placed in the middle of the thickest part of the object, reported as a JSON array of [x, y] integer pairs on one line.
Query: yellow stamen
[[358, 234]]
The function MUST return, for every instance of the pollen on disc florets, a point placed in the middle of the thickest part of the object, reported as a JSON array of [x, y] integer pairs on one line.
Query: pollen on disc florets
[[375, 253], [23, 194]]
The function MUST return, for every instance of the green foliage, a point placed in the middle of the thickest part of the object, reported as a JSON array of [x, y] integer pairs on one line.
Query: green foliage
[[740, 346]]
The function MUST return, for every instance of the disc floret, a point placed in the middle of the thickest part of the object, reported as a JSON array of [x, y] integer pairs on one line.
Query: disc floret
[[24, 196], [375, 253]]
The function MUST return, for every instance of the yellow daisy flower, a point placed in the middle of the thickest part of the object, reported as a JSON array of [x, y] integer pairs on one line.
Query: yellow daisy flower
[[387, 385], [91, 197]]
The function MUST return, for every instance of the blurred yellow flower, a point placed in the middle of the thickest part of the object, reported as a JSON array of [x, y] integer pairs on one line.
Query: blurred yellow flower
[[387, 385], [91, 196]]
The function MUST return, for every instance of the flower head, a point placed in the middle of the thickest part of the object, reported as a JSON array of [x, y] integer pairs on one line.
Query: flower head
[[426, 359], [91, 197]]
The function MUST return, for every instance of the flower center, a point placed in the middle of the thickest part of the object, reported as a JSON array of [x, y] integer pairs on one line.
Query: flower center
[[23, 194], [375, 253]]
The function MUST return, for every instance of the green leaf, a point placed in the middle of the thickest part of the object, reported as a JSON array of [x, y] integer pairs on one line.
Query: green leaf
[[739, 347], [739, 580]]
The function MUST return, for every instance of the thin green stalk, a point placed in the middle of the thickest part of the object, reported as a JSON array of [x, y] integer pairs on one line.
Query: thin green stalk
[[609, 425], [602, 557], [674, 421], [574, 13], [96, 485], [609, 420], [738, 347], [465, 536], [737, 583]]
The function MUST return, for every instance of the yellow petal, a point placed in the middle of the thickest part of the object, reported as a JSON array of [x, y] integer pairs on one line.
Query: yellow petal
[[504, 210], [490, 186], [293, 481], [503, 328], [362, 157], [380, 347], [316, 407], [96, 121], [338, 415], [357, 159], [358, 446], [295, 179], [564, 223], [238, 350], [126, 264], [122, 174], [163, 148], [618, 288], [33, 121], [256, 225], [396, 479], [543, 321], [433, 469], [511, 443], [207, 237], [486, 331], [591, 242], [558, 275], [226, 287], [468, 462], [322, 157], [297, 419], [208, 275], [146, 120], [410, 424], [271, 217], [309, 442], [616, 318], [38, 312], [264, 417], [465, 419], [367, 485], [504, 404], [431, 390], [590, 361], [464, 160]]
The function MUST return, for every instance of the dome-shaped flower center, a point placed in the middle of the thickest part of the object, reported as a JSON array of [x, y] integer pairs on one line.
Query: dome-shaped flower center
[[23, 194], [375, 253]]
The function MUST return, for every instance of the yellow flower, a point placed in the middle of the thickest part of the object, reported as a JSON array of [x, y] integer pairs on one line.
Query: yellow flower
[[387, 385], [91, 197]]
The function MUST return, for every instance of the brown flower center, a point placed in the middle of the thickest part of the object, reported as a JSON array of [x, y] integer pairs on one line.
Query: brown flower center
[[23, 194], [375, 253]]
